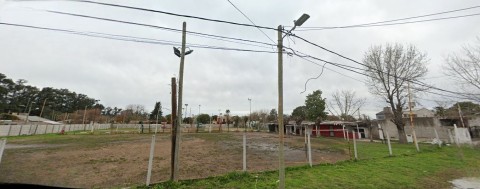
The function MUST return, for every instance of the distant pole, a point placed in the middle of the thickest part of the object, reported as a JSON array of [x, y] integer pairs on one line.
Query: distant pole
[[180, 93], [84, 114], [411, 118], [281, 158], [198, 124], [250, 116], [174, 127], [43, 106], [460, 114]]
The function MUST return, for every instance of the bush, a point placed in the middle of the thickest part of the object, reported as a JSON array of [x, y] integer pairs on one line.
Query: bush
[[8, 117]]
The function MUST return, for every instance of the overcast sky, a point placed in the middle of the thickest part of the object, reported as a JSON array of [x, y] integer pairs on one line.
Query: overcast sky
[[121, 73]]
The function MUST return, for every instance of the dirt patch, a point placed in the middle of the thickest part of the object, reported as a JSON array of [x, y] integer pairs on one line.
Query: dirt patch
[[118, 162]]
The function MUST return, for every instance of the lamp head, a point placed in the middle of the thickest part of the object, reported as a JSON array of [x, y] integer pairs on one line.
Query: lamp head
[[301, 20]]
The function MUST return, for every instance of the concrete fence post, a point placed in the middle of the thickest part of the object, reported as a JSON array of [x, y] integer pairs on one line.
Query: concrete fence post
[[355, 145], [309, 149], [150, 160], [438, 138], [389, 145], [35, 132], [29, 130], [3, 143], [244, 152], [9, 129], [20, 132]]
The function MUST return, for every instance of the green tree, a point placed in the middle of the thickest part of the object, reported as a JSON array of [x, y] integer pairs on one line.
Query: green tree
[[299, 114], [156, 112], [203, 118], [315, 107], [272, 117]]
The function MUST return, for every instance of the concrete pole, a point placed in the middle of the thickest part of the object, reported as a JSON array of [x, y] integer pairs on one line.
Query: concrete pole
[[9, 129], [3, 143], [438, 138], [244, 152], [150, 160], [389, 145], [281, 158], [179, 113], [411, 118], [309, 150], [355, 145]]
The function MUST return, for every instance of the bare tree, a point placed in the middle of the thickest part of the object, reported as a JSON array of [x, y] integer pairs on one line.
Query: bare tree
[[345, 104], [465, 68], [389, 69]]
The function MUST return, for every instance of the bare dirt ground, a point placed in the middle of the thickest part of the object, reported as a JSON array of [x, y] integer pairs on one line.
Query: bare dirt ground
[[89, 161]]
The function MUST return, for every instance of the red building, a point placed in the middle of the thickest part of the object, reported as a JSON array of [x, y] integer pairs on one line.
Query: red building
[[339, 129]]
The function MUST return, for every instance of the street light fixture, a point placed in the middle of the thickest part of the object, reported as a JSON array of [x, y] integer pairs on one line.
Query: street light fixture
[[281, 155]]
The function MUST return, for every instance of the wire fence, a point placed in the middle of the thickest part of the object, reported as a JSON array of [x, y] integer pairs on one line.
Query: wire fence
[[124, 155]]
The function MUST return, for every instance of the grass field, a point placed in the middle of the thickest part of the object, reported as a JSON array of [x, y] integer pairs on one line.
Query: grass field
[[212, 160], [431, 168]]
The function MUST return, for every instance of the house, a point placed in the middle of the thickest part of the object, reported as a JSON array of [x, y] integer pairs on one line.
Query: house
[[426, 125]]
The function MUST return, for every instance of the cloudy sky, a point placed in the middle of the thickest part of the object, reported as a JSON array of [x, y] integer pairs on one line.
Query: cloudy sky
[[122, 72]]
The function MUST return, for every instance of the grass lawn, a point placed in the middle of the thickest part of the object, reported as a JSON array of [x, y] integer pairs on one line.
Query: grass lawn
[[433, 167]]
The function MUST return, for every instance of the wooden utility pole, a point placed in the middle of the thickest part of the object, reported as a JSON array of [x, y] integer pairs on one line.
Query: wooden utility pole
[[411, 118], [281, 159], [179, 110], [174, 126]]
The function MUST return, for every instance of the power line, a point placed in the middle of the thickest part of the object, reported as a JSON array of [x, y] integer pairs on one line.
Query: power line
[[250, 21], [175, 14], [350, 69], [407, 79], [132, 39], [392, 24], [157, 27], [394, 20]]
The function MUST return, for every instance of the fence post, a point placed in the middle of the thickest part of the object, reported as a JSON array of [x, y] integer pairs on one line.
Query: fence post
[[3, 143], [150, 160], [53, 127], [309, 149], [20, 132], [9, 129], [35, 132], [389, 145], [438, 138], [355, 145], [244, 151], [29, 130]]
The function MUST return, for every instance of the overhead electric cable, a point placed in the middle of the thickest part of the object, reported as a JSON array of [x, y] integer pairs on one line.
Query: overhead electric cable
[[251, 21], [394, 20], [156, 27], [392, 24], [407, 79], [131, 39], [176, 14]]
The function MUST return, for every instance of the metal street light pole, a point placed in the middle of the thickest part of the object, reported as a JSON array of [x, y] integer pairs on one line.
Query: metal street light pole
[[281, 131]]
